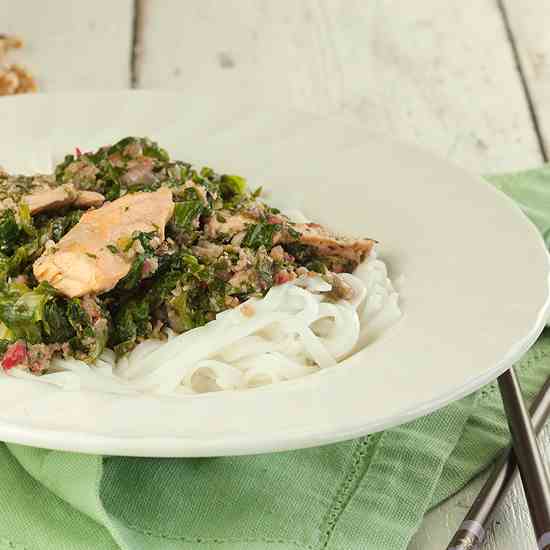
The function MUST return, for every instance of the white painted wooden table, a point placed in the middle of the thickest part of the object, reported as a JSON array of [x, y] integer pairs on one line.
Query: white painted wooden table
[[469, 80]]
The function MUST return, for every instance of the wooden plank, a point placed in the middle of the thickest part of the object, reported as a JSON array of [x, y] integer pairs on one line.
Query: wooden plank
[[440, 74], [528, 21], [72, 45]]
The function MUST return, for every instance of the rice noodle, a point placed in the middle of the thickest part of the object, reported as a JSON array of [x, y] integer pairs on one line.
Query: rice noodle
[[290, 333]]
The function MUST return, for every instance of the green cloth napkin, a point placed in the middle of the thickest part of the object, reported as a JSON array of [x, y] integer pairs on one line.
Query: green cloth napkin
[[370, 493]]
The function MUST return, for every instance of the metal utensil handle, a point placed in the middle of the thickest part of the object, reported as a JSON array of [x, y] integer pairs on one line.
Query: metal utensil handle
[[531, 466], [471, 532]]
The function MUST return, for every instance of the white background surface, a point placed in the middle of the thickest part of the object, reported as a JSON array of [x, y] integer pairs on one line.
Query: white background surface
[[469, 80]]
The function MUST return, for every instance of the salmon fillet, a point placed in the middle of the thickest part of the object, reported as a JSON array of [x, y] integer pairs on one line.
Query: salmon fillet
[[57, 197], [310, 234], [328, 244], [83, 261]]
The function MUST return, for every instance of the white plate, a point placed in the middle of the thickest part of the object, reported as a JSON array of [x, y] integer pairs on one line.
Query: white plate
[[475, 296]]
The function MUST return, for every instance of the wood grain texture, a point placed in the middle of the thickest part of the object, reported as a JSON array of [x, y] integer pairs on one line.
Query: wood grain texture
[[529, 22], [440, 74], [72, 45]]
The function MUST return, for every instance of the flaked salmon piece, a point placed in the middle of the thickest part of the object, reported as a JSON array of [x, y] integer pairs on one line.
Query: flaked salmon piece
[[311, 234], [84, 261], [326, 243], [89, 199], [139, 172], [57, 197]]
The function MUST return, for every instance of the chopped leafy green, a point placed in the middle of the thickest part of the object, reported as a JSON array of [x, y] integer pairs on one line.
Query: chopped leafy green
[[57, 327], [113, 191], [112, 248], [90, 337], [208, 173], [133, 277], [166, 280], [120, 145], [4, 346], [111, 177], [152, 150], [182, 318], [23, 256], [25, 220], [264, 268], [79, 319], [204, 302], [131, 321], [195, 268], [145, 239], [260, 234], [185, 213], [184, 169], [61, 167], [191, 194], [62, 224], [22, 312], [148, 148], [46, 289], [9, 232], [5, 332], [293, 233], [232, 185]]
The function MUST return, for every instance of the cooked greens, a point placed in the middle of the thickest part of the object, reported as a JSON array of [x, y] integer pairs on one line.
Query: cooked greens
[[221, 245]]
